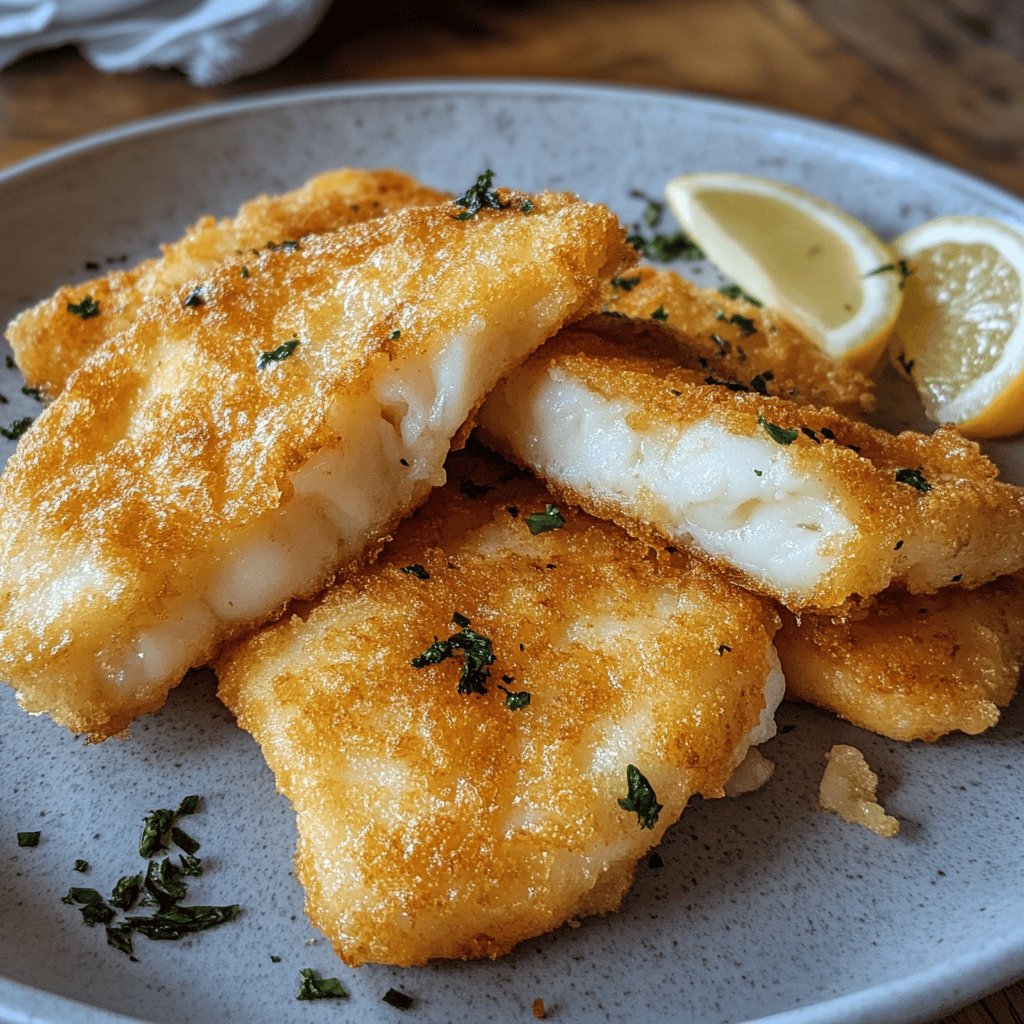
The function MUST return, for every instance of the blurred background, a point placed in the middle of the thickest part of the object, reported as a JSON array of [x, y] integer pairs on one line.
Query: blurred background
[[945, 77]]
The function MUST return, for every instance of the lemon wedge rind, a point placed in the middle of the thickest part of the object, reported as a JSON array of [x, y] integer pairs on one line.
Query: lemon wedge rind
[[798, 254]]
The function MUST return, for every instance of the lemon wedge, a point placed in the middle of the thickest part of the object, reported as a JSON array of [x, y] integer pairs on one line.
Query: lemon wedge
[[818, 266], [960, 333]]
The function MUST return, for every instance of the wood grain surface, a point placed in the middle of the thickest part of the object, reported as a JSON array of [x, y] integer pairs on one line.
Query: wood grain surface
[[945, 77]]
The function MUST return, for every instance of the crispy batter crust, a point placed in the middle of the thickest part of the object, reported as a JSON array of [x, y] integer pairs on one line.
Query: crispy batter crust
[[172, 438], [799, 369], [912, 667], [440, 824], [967, 529], [50, 343]]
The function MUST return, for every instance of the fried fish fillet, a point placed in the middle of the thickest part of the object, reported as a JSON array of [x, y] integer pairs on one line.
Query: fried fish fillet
[[50, 342], [801, 503], [912, 667], [218, 459], [734, 339], [438, 823]]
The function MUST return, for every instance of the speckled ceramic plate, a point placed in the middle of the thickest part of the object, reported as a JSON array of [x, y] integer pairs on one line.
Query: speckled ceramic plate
[[765, 908]]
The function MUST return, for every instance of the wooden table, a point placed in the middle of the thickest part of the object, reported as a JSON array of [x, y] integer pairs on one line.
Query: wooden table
[[942, 76]]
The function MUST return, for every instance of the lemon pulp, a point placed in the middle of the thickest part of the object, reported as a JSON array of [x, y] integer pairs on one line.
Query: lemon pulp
[[961, 304], [813, 268]]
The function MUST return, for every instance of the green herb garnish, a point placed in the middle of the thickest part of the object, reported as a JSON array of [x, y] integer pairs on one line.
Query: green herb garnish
[[16, 429], [515, 701], [416, 570], [907, 364], [395, 334], [27, 839], [155, 826], [31, 392], [274, 959], [902, 268], [81, 866], [640, 798], [244, 272], [913, 477], [9, 362], [479, 196], [183, 840], [87, 308], [734, 291], [277, 355], [744, 323], [652, 211], [194, 298], [759, 384], [625, 284], [526, 206], [659, 314], [126, 892], [477, 654], [120, 937], [541, 522], [780, 435], [313, 986], [399, 1000], [665, 248], [176, 922]]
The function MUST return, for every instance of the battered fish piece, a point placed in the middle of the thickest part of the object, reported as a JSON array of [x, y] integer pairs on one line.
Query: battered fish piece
[[218, 459], [912, 667], [434, 823], [734, 339], [800, 503], [50, 343]]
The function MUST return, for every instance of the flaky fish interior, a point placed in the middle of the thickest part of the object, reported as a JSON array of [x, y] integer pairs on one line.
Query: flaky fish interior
[[803, 504], [225, 455], [912, 667], [50, 340], [734, 339], [439, 823]]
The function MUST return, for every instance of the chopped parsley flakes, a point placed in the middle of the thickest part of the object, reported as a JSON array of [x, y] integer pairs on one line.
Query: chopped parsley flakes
[[480, 196], [902, 268], [780, 435], [395, 334], [640, 798], [734, 291], [625, 284], [744, 323], [163, 886], [399, 1000], [16, 429], [514, 701], [913, 477], [477, 655], [194, 299], [541, 522], [659, 314], [277, 355], [27, 839], [665, 248], [87, 308], [416, 570], [313, 986]]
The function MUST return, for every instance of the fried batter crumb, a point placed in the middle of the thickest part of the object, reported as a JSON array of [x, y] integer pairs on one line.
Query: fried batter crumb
[[539, 1012], [848, 788]]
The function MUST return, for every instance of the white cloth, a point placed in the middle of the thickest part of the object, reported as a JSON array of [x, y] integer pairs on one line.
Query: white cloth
[[212, 41]]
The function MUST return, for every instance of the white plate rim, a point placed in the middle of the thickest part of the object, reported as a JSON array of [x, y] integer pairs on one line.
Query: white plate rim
[[918, 997]]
